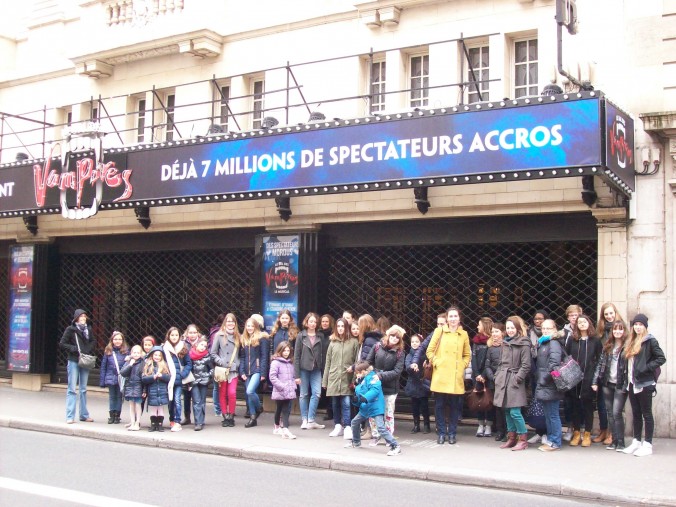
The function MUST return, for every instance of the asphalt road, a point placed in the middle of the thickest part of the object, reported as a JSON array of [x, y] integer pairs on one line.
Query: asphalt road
[[38, 469]]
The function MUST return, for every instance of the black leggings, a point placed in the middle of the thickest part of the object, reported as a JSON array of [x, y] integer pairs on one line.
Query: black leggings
[[642, 410], [583, 412], [282, 412]]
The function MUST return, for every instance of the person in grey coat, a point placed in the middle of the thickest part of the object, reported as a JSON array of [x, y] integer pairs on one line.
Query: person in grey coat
[[549, 355]]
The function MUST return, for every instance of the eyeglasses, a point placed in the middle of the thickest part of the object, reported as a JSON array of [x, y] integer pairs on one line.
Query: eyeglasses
[[394, 336]]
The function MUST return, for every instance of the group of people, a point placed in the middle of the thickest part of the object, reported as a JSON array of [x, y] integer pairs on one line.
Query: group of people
[[359, 362]]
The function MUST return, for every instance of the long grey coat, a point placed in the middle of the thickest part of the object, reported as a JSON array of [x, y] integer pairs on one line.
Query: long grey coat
[[510, 379]]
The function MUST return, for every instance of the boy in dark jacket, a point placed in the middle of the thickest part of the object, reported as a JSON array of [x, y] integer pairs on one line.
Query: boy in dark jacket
[[371, 402]]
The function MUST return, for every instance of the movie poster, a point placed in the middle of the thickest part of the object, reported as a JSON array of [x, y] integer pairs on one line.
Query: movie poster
[[280, 277], [20, 302]]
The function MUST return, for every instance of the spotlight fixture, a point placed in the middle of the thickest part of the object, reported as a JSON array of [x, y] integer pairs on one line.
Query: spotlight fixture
[[283, 207], [31, 223], [143, 216], [269, 122], [316, 116], [589, 196], [215, 129], [21, 156], [551, 89], [421, 200]]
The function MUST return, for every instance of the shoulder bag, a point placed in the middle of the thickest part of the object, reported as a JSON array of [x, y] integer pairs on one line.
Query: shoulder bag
[[569, 374], [86, 361], [120, 379], [480, 399], [221, 373], [428, 368]]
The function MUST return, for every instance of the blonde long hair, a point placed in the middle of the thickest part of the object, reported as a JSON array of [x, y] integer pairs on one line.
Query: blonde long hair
[[633, 346], [254, 339]]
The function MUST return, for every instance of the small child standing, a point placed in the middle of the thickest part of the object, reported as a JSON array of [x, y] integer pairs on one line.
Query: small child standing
[[133, 387], [156, 378], [114, 356], [371, 401], [282, 378], [202, 370], [417, 387]]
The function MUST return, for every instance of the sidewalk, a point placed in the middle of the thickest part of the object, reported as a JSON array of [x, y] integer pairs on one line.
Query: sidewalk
[[592, 473]]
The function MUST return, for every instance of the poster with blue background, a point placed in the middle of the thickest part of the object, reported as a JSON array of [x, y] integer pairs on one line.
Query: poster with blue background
[[20, 304], [280, 277]]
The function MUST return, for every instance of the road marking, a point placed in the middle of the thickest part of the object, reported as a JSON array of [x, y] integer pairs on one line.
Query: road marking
[[69, 495]]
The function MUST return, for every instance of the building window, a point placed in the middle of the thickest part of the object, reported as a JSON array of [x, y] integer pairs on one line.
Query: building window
[[478, 61], [377, 91], [258, 92], [224, 111], [95, 114], [141, 121], [170, 104], [525, 68], [420, 72]]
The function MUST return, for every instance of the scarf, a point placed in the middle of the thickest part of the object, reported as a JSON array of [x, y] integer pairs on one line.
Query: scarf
[[538, 331], [543, 339], [480, 339], [195, 355], [83, 329]]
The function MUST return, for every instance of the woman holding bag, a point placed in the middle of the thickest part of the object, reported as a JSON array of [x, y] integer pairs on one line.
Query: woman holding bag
[[77, 339], [225, 351], [449, 354], [549, 354]]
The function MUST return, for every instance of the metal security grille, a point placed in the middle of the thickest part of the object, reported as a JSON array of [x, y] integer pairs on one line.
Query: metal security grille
[[148, 292], [411, 285]]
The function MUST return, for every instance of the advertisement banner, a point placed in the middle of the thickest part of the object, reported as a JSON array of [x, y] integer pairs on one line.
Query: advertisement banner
[[620, 156], [552, 135], [280, 277], [20, 306]]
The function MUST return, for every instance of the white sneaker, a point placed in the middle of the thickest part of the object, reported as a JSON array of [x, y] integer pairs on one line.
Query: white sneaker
[[375, 441], [312, 425], [394, 451], [176, 427], [633, 447], [277, 430], [545, 440], [287, 434], [303, 425], [646, 449], [337, 431], [534, 439], [480, 431], [569, 434], [347, 433], [488, 431]]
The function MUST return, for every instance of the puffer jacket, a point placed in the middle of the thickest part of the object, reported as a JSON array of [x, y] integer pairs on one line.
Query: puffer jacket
[[549, 357], [370, 339], [255, 359], [370, 388], [510, 379], [108, 370], [417, 386], [282, 379], [202, 368], [493, 356], [586, 353], [648, 359], [133, 387], [339, 357], [157, 389], [388, 365]]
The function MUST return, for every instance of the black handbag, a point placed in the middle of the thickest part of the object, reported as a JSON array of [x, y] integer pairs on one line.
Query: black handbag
[[570, 374]]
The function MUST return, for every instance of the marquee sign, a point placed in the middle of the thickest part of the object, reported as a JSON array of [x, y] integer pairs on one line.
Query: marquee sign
[[541, 137]]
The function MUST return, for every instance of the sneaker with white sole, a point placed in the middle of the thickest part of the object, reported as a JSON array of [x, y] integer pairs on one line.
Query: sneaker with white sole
[[646, 449], [545, 440], [480, 431], [303, 425], [352, 445], [337, 431], [176, 427], [633, 447], [394, 450], [534, 439], [287, 434], [312, 425], [374, 442], [488, 431], [347, 433], [568, 436], [277, 430]]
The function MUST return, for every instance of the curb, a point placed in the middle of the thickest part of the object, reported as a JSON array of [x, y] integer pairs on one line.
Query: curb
[[396, 469]]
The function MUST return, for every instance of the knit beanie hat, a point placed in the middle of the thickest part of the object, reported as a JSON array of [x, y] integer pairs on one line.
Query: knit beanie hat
[[640, 318], [260, 320]]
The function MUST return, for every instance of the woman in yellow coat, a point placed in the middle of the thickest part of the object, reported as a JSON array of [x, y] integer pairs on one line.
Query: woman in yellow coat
[[449, 353]]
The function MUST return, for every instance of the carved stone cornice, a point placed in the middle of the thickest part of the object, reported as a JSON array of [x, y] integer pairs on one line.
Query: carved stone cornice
[[610, 217]]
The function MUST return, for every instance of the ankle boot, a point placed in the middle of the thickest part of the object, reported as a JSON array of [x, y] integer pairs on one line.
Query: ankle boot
[[586, 440], [160, 422], [252, 421], [111, 417], [426, 426], [153, 424], [511, 440], [523, 443], [117, 417], [231, 420], [226, 421], [600, 437], [575, 441], [416, 426]]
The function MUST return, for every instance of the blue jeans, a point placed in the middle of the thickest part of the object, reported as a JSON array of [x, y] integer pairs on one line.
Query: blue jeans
[[253, 402], [553, 420], [217, 400], [175, 404], [447, 426], [77, 377], [199, 398], [341, 410], [380, 424], [114, 398], [310, 384]]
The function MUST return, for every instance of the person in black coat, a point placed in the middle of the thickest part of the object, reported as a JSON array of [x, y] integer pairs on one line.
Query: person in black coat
[[77, 339], [549, 355], [418, 388], [156, 378], [585, 347], [133, 387]]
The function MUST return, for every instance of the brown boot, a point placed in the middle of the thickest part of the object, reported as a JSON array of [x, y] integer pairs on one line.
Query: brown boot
[[575, 441], [586, 440], [511, 440], [600, 437], [609, 438], [523, 443]]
